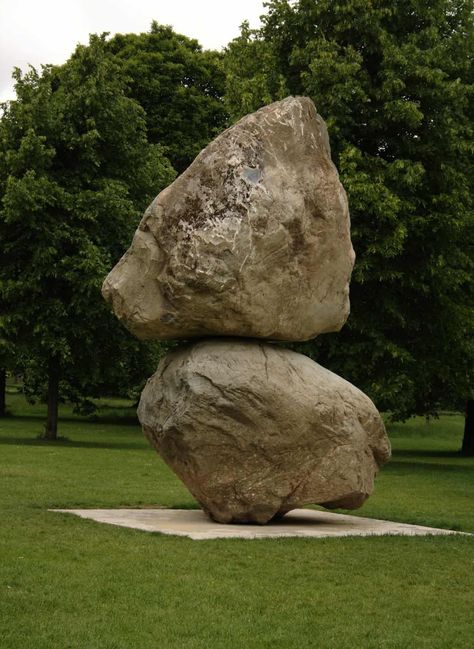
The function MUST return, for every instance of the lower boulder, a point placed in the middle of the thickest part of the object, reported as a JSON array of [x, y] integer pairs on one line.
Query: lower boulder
[[254, 430]]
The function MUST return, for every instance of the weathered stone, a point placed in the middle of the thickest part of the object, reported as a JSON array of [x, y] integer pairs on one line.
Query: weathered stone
[[251, 240], [254, 430]]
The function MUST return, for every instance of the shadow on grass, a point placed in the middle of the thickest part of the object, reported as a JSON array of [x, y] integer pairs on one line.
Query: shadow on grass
[[430, 467], [68, 443], [425, 453], [125, 420], [117, 420]]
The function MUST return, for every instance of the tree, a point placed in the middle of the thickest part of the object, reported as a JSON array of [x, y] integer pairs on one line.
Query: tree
[[76, 172], [7, 363], [468, 440], [394, 82], [252, 77], [179, 86]]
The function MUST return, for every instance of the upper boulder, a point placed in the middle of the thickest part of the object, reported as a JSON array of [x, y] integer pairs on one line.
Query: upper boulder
[[252, 240]]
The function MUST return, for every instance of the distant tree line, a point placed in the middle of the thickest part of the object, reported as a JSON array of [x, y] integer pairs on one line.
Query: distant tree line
[[86, 145]]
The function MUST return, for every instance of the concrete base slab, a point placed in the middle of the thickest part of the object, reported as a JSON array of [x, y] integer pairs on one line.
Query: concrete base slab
[[305, 523]]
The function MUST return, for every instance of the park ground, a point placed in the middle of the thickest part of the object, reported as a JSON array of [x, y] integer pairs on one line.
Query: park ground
[[68, 583]]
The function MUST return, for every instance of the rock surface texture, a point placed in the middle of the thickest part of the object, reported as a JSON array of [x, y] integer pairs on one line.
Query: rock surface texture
[[254, 430], [251, 240]]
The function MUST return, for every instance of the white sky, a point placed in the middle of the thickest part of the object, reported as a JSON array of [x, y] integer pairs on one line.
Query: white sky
[[47, 31]]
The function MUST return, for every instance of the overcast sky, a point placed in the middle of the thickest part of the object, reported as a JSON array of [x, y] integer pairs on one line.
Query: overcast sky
[[47, 31]]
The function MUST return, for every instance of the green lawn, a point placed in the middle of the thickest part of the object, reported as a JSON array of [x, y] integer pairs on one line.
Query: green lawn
[[67, 583]]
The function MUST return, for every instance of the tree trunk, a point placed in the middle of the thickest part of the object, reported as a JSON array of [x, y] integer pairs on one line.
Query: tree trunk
[[51, 429], [3, 389], [468, 441]]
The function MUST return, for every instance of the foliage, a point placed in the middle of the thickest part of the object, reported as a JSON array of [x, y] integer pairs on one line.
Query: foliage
[[394, 82], [76, 172], [179, 86], [252, 78]]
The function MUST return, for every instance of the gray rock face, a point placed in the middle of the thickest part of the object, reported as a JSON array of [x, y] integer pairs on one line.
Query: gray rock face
[[251, 240], [254, 430]]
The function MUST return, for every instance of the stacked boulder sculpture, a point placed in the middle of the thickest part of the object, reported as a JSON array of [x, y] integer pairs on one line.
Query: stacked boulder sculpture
[[251, 242]]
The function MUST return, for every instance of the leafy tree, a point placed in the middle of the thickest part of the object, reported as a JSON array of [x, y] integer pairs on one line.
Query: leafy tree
[[394, 81], [7, 363], [180, 87], [76, 172], [252, 77]]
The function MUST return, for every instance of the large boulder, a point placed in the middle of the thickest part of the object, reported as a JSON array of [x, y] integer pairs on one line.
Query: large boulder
[[251, 240], [254, 430]]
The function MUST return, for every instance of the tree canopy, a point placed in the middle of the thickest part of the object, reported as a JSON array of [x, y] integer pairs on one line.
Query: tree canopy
[[179, 86], [394, 81], [76, 172]]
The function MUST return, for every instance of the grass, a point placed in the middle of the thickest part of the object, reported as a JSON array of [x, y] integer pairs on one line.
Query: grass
[[68, 583]]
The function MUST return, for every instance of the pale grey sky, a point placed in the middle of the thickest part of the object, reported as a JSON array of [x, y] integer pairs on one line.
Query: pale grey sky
[[47, 31]]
